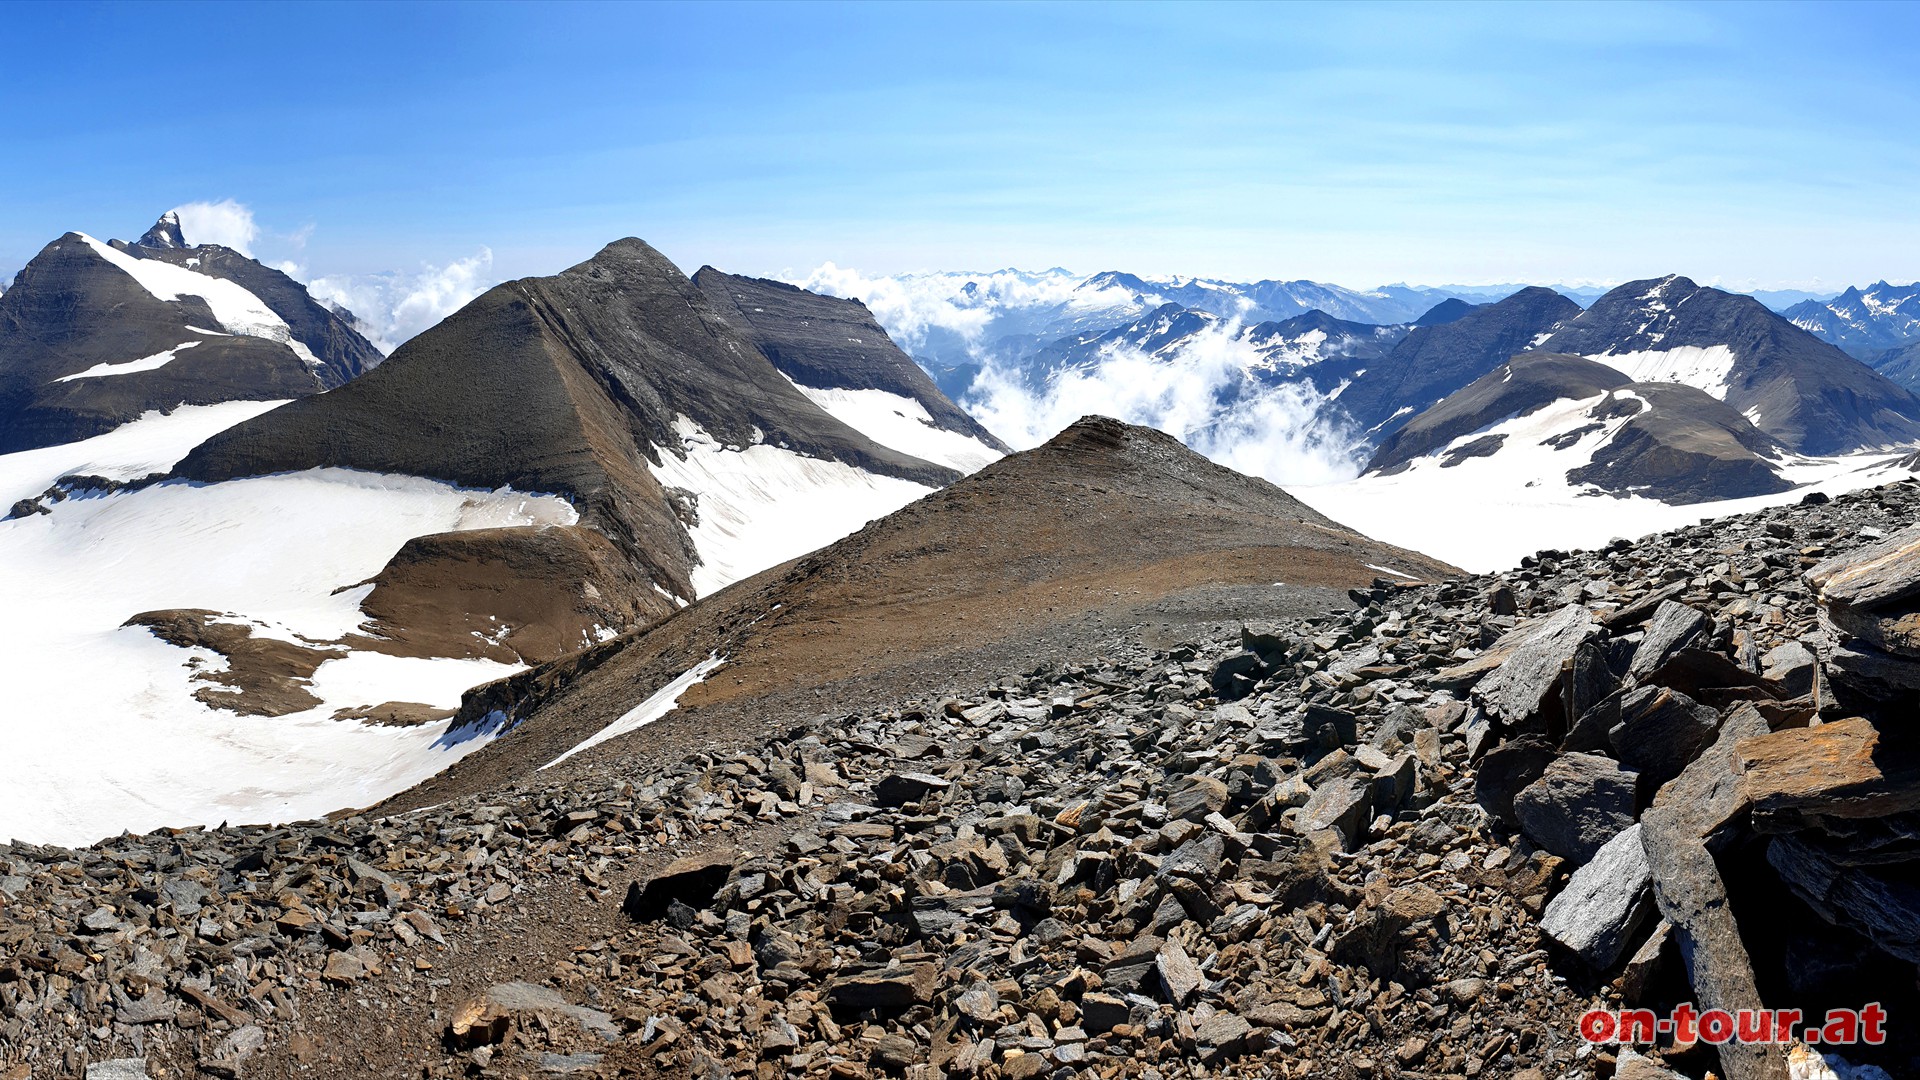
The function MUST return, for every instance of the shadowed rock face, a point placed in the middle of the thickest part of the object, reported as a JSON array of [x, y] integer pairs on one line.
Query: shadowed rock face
[[1682, 446], [71, 310], [1900, 365], [569, 384], [1807, 394], [829, 343], [1437, 359]]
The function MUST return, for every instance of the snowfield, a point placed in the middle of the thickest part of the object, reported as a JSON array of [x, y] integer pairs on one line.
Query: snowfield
[[123, 744], [237, 310], [658, 704], [154, 443], [146, 363], [1486, 513], [761, 505], [901, 423], [1702, 367]]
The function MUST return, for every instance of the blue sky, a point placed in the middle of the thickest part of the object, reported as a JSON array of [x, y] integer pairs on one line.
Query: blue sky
[[1761, 146]]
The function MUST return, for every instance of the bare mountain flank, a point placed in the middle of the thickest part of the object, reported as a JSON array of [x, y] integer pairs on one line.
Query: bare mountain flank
[[1041, 554]]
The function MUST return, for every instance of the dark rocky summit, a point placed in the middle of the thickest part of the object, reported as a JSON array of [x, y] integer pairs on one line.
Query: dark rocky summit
[[1802, 391], [1098, 867], [72, 316], [568, 384]]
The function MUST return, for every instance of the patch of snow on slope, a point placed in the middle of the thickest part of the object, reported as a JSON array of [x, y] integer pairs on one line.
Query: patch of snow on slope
[[114, 738], [902, 424], [237, 310], [762, 505], [1485, 514], [127, 367], [1704, 367], [657, 705], [154, 443]]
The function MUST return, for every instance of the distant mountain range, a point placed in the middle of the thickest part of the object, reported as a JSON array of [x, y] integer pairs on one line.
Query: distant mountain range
[[1863, 321], [955, 323]]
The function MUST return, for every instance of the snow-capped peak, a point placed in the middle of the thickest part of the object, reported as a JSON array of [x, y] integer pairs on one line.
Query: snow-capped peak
[[165, 233]]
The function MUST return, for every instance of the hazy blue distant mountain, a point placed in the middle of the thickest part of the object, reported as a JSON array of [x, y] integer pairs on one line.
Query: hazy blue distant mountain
[[1863, 321]]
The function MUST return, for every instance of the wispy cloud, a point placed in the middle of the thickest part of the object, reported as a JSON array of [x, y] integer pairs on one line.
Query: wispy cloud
[[394, 306], [1200, 392]]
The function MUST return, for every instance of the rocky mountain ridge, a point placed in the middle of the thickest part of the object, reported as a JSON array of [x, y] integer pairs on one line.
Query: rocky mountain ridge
[[609, 369], [1805, 393], [1666, 441]]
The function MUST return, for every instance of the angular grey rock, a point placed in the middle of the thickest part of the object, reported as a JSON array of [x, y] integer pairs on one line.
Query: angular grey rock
[[1395, 785], [1234, 677], [1579, 803], [119, 1069], [1710, 797], [1692, 897], [1633, 1065], [1660, 732], [693, 881], [1792, 665], [1873, 593], [1595, 916], [1194, 796], [1344, 806], [1526, 662], [1506, 771], [903, 788], [1179, 975], [1126, 972], [888, 989], [1864, 678], [1674, 626], [1883, 907], [1100, 1012]]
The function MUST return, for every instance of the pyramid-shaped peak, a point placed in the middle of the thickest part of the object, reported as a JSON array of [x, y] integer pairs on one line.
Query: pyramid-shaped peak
[[165, 233], [629, 254]]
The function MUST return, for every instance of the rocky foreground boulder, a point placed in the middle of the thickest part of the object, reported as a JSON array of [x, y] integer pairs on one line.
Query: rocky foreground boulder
[[1418, 838]]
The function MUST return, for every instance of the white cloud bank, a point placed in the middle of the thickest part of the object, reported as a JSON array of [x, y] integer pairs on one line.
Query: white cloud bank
[[1200, 393], [227, 223], [914, 306], [394, 306], [390, 306]]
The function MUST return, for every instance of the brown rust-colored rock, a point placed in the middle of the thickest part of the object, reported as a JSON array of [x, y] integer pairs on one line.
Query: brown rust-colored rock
[[1838, 770], [264, 676], [528, 594]]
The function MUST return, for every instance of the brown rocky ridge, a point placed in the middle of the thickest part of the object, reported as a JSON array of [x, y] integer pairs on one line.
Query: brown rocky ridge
[[1107, 524]]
